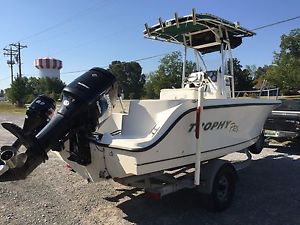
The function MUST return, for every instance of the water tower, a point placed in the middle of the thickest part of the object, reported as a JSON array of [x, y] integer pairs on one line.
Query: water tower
[[48, 67]]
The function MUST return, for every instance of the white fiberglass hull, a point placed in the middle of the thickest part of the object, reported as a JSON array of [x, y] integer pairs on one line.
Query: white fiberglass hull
[[227, 125]]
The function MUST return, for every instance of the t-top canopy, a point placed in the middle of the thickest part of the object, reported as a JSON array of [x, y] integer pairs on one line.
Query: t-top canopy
[[204, 32]]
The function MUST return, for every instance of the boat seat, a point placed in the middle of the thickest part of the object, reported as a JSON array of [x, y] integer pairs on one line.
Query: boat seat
[[141, 126], [139, 122]]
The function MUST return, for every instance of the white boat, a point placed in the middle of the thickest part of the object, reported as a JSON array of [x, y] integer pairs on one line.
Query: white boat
[[156, 135], [160, 134], [185, 128]]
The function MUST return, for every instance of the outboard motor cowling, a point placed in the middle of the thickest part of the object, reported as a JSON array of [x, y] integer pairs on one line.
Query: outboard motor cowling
[[77, 116], [78, 97], [38, 114]]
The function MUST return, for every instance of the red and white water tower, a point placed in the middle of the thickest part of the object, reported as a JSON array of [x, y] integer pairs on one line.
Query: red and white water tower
[[48, 67]]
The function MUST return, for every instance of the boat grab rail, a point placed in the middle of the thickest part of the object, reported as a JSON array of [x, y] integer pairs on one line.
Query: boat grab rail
[[258, 93]]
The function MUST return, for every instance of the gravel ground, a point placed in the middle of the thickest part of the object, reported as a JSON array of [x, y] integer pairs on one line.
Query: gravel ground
[[267, 193]]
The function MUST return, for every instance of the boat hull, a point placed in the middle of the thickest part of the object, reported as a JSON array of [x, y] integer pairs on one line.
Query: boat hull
[[227, 126]]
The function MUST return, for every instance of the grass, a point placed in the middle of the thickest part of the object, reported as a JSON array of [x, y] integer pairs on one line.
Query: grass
[[9, 108]]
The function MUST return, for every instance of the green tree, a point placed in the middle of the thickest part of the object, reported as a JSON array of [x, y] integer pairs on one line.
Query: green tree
[[168, 74], [285, 71], [19, 91], [51, 87], [260, 75], [242, 77], [24, 90], [129, 77]]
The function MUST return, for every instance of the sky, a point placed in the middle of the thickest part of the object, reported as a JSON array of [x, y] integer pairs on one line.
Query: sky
[[85, 34]]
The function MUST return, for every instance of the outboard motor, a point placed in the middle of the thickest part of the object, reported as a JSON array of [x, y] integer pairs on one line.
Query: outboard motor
[[76, 118], [37, 116]]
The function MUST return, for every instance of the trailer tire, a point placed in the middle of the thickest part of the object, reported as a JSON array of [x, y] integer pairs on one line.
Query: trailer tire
[[223, 188]]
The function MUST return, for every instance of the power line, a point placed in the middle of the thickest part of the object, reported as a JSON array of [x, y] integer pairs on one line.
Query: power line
[[18, 47], [81, 71], [150, 57], [10, 53], [67, 20], [5, 78], [155, 56], [76, 71], [114, 34], [82, 44], [258, 28], [276, 23], [14, 54], [137, 60]]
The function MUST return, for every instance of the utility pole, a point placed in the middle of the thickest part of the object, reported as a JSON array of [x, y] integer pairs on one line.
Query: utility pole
[[10, 53], [18, 47]]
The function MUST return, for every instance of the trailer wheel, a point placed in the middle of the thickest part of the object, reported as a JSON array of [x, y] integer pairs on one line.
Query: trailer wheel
[[223, 188]]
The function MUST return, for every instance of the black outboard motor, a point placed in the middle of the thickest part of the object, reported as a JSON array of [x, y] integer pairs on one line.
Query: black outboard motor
[[37, 116], [77, 115]]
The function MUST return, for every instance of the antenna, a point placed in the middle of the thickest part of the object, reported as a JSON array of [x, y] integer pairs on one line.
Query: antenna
[[161, 24], [177, 20], [194, 16]]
